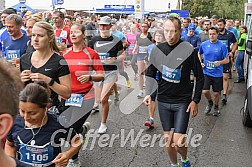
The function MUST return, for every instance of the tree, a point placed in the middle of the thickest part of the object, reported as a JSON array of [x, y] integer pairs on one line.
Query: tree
[[222, 8]]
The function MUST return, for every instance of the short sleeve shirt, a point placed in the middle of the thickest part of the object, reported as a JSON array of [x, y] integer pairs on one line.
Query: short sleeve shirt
[[17, 46], [227, 39], [42, 147], [107, 47], [143, 44], [54, 68], [80, 66], [213, 52]]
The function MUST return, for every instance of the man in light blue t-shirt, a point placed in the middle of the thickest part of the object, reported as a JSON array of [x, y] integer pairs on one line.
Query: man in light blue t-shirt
[[16, 44], [215, 55], [3, 31], [229, 27]]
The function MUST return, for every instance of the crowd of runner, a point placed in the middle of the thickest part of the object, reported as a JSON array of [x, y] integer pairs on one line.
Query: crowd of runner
[[69, 66]]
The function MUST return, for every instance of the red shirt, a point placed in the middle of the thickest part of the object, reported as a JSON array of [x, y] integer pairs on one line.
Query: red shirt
[[78, 63], [63, 35]]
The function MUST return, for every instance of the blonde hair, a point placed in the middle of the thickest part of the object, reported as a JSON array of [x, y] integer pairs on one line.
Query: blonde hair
[[36, 17], [50, 33], [230, 21]]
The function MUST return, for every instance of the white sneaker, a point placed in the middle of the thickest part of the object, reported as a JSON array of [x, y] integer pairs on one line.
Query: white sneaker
[[74, 163], [140, 94], [96, 107], [86, 127], [102, 129]]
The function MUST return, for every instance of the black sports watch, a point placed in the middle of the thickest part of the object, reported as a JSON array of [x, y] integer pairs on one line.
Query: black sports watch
[[90, 78], [51, 82]]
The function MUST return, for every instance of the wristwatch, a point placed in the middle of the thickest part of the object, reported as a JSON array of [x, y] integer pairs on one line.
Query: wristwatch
[[51, 82]]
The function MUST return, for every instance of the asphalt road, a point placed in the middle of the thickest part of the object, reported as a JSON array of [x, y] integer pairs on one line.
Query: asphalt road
[[221, 141]]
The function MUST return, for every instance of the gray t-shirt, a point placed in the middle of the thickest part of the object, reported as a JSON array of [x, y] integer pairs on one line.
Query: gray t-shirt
[[204, 36]]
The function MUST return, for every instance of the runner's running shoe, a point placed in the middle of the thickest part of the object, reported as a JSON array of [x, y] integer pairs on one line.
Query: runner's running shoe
[[177, 165], [96, 107], [216, 112], [140, 94], [149, 122], [74, 163], [208, 108], [102, 129], [128, 83], [185, 164], [224, 99]]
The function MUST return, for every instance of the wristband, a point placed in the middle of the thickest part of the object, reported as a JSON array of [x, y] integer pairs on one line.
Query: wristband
[[90, 78], [51, 82]]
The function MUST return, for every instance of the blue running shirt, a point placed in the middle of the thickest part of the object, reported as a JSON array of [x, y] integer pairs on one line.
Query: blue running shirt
[[213, 52]]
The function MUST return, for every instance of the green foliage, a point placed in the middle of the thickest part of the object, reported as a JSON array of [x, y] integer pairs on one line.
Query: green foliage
[[222, 8]]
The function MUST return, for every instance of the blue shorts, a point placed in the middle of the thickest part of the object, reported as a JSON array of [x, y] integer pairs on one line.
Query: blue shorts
[[140, 57], [174, 116]]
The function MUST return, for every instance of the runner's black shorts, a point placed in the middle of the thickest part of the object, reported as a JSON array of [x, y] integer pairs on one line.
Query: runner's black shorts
[[227, 67], [174, 117], [215, 82]]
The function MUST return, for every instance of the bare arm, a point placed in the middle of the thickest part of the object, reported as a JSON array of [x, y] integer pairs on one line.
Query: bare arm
[[235, 46], [122, 55], [63, 158], [125, 43], [200, 59], [63, 88], [135, 48]]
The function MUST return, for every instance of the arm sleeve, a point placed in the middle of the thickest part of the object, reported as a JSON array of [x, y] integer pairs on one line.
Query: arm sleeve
[[198, 73], [241, 42]]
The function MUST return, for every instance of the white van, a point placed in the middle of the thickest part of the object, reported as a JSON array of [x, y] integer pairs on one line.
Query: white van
[[247, 109]]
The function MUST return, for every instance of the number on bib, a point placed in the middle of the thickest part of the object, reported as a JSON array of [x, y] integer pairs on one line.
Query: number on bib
[[37, 155], [75, 100], [11, 54], [171, 75]]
